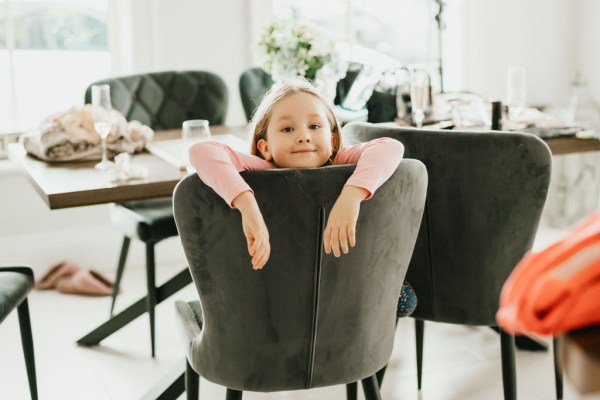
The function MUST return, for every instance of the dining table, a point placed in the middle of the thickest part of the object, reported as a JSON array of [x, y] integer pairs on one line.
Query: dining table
[[76, 184]]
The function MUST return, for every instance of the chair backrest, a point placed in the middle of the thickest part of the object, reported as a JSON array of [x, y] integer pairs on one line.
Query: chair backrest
[[485, 197], [307, 319], [254, 83], [163, 100]]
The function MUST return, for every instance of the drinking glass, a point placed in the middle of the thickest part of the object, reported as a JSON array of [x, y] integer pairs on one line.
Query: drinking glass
[[102, 119], [419, 94], [515, 92], [193, 131]]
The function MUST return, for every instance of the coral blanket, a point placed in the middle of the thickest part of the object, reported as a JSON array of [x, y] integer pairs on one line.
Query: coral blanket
[[558, 289]]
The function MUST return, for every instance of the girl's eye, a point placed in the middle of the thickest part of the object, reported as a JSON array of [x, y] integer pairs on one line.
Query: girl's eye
[[287, 129], [314, 126]]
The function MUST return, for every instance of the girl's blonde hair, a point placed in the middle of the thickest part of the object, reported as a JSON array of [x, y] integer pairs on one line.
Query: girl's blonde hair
[[279, 91]]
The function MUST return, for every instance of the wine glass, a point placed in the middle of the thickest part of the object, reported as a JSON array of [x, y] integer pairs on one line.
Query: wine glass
[[192, 131], [102, 119], [515, 92], [419, 94]]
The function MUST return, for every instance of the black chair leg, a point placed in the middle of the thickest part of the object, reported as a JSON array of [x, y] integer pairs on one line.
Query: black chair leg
[[380, 374], [233, 395], [509, 375], [151, 286], [27, 341], [120, 269], [351, 391], [371, 388], [558, 375], [419, 335], [192, 381]]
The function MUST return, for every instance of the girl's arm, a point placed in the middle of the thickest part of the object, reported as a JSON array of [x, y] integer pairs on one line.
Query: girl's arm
[[219, 167], [375, 162]]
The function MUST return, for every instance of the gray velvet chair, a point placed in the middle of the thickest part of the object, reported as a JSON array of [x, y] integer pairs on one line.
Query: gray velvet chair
[[484, 201], [253, 85], [161, 100], [15, 284], [307, 319]]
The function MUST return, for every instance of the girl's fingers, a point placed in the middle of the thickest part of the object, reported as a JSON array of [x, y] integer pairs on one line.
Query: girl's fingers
[[326, 239], [352, 235], [335, 242], [251, 247], [261, 257], [344, 240]]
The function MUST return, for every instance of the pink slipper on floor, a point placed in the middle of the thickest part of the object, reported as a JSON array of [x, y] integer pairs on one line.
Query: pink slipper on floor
[[55, 273], [86, 281]]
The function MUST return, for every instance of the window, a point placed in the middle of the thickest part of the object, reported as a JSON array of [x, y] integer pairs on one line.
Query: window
[[50, 51]]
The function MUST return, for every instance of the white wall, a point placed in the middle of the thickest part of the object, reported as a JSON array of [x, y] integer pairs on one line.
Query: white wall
[[183, 34], [589, 45], [540, 35]]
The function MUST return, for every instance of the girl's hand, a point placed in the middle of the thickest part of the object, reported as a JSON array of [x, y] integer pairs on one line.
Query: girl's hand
[[341, 224], [255, 230]]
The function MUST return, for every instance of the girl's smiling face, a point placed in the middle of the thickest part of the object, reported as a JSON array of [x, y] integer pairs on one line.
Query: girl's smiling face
[[298, 133]]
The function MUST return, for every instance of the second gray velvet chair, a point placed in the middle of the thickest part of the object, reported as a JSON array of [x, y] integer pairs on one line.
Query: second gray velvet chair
[[484, 201], [307, 319], [161, 100]]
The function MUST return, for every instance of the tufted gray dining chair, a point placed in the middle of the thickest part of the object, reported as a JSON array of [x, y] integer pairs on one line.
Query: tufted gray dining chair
[[161, 100], [253, 85], [307, 319], [484, 201], [15, 285]]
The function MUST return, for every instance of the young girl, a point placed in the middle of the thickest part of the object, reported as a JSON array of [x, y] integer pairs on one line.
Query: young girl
[[295, 127]]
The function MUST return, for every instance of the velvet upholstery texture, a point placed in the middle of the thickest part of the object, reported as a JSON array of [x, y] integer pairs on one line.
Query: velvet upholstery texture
[[307, 319], [163, 100], [484, 201]]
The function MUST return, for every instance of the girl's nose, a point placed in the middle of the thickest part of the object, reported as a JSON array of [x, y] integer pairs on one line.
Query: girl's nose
[[304, 137]]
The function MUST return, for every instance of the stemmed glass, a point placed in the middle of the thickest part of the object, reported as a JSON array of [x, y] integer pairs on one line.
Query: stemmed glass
[[102, 119], [515, 92], [419, 94], [192, 131]]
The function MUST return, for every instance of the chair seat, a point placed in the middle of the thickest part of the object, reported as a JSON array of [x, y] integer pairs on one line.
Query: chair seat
[[14, 287], [148, 220]]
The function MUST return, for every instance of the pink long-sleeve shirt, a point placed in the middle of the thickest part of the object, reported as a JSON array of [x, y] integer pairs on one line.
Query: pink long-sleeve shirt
[[219, 166]]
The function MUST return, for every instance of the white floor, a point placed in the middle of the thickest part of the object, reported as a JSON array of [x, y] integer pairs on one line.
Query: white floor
[[459, 362]]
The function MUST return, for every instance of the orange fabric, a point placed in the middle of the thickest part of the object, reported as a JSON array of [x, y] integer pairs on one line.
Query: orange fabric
[[557, 289]]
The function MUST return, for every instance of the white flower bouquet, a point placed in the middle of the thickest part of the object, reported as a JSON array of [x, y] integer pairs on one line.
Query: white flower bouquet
[[289, 49]]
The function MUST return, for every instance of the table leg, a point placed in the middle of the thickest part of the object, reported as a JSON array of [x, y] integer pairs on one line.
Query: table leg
[[173, 285]]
